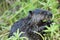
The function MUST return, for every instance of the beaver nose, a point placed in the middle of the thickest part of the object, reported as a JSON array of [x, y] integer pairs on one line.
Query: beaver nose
[[49, 15]]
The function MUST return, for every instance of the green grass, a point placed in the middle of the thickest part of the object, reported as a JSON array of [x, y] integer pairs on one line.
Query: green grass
[[17, 9]]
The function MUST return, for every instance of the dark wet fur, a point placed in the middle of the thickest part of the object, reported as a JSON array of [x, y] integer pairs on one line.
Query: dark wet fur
[[33, 22]]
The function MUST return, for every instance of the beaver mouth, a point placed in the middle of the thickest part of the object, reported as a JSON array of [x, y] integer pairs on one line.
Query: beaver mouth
[[47, 18]]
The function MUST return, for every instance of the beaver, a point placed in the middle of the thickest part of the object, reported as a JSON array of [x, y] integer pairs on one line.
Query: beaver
[[33, 22]]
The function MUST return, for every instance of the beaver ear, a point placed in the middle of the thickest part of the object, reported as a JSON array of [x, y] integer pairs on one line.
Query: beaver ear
[[30, 12]]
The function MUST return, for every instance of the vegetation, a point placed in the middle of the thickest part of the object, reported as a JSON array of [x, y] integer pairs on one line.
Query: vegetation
[[13, 10]]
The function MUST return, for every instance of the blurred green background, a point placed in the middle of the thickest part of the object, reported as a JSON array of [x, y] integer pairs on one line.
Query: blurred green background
[[13, 10]]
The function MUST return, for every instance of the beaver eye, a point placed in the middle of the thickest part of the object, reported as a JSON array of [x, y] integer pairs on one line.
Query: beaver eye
[[44, 12]]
